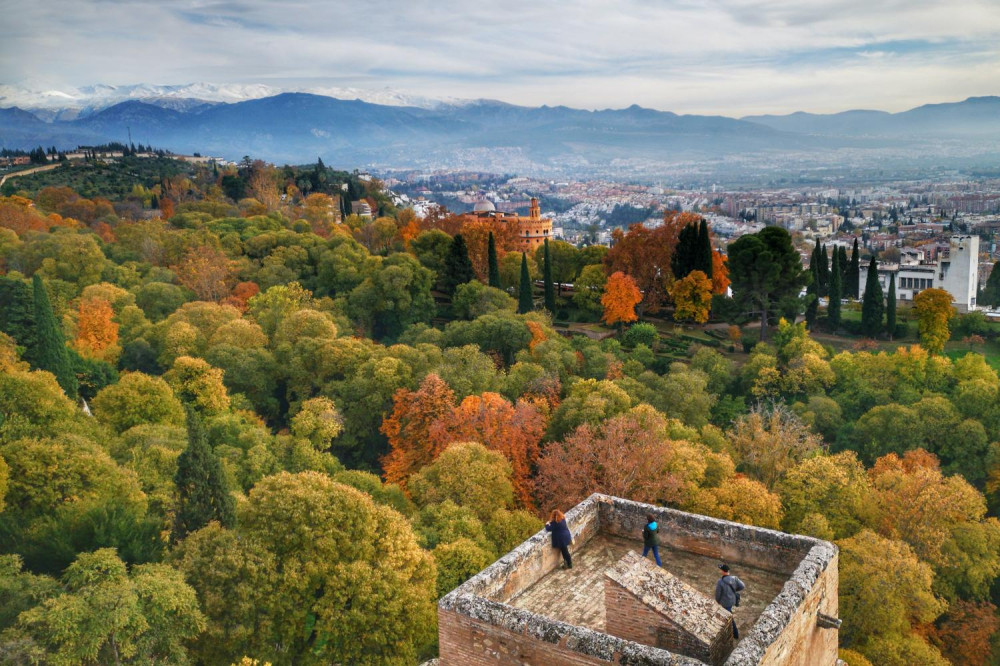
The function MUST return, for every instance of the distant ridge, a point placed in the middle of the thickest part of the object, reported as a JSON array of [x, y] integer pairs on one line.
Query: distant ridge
[[298, 127]]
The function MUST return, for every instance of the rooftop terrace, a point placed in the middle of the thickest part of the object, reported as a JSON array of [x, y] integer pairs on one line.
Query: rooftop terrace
[[523, 609]]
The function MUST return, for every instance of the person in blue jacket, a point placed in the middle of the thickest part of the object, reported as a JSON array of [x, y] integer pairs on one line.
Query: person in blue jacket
[[561, 536], [650, 540]]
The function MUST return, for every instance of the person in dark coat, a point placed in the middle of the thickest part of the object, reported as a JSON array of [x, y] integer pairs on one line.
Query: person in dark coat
[[650, 540], [561, 536], [727, 593]]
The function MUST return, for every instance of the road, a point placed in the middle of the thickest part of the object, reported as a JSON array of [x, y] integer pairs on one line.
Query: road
[[47, 167]]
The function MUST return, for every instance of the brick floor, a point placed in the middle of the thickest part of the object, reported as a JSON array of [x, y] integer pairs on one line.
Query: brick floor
[[576, 595]]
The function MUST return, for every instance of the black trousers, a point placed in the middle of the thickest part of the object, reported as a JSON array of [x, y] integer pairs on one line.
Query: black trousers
[[566, 556]]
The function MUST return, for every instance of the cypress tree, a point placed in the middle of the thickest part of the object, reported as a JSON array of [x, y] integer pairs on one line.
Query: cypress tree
[[457, 265], [842, 266], [704, 250], [50, 349], [683, 260], [890, 308], [550, 292], [202, 495], [872, 303], [855, 271], [494, 266], [813, 308], [17, 315], [824, 271], [525, 299], [835, 293], [990, 294]]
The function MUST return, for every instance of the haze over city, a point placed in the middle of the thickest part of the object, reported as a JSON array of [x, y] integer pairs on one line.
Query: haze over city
[[732, 57]]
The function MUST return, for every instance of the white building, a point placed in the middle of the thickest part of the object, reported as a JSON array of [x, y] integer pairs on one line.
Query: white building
[[956, 271]]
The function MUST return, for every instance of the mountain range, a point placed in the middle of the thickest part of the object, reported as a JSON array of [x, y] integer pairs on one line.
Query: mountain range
[[484, 134]]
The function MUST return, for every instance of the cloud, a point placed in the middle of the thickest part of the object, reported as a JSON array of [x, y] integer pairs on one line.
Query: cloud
[[727, 56]]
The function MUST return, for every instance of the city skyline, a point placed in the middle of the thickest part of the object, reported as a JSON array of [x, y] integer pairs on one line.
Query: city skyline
[[733, 57]]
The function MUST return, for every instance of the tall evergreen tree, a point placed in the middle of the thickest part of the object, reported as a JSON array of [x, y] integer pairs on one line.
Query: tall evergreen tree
[[50, 349], [812, 309], [824, 272], [990, 294], [834, 295], [17, 315], [842, 266], [704, 257], [525, 297], [457, 265], [854, 271], [550, 292], [202, 495], [872, 303], [494, 266], [890, 308], [683, 259]]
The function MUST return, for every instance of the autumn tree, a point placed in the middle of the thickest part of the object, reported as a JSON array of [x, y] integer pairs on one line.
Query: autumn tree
[[692, 296], [468, 474], [645, 255], [964, 633], [769, 441], [207, 271], [621, 295], [515, 430], [411, 446], [933, 309], [340, 578]]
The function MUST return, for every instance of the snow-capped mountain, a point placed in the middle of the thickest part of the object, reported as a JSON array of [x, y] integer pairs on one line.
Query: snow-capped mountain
[[69, 103]]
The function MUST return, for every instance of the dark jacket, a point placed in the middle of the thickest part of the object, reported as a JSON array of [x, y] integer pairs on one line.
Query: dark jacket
[[726, 589], [560, 533], [649, 535]]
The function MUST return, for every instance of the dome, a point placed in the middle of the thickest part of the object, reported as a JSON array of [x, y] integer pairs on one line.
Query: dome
[[483, 207]]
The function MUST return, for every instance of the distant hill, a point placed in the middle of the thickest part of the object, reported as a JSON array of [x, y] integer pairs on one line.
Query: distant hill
[[974, 116], [298, 127]]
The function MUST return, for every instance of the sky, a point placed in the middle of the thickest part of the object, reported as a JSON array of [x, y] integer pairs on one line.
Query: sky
[[726, 57]]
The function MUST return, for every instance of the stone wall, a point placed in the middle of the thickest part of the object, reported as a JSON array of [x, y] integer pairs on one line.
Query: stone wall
[[477, 627]]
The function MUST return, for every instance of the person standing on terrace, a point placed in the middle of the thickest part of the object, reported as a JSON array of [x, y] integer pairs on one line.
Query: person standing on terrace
[[561, 536], [650, 539]]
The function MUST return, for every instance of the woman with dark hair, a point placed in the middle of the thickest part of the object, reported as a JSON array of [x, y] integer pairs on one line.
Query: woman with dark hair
[[561, 536]]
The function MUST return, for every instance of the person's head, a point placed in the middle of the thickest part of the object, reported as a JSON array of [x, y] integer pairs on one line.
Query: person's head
[[556, 516], [650, 518], [724, 568]]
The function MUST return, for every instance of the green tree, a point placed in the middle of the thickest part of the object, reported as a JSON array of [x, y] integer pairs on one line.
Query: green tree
[[202, 495], [525, 297], [314, 573], [854, 273], [17, 315], [468, 474], [890, 308], [703, 260], [872, 303], [990, 294], [395, 296], [51, 353], [457, 562], [494, 266], [105, 615], [550, 294], [833, 305], [588, 288], [457, 267], [137, 399], [812, 293], [474, 299], [824, 270], [765, 269]]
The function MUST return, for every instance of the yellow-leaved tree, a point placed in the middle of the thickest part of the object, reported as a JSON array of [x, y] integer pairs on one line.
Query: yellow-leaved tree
[[933, 308], [692, 296]]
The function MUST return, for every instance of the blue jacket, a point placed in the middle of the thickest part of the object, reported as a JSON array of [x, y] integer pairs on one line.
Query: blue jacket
[[560, 534], [726, 589]]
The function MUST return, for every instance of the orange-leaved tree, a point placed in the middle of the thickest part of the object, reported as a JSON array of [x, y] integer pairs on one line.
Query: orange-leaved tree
[[207, 271], [621, 295], [692, 296], [720, 273], [96, 330], [515, 430], [408, 428]]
